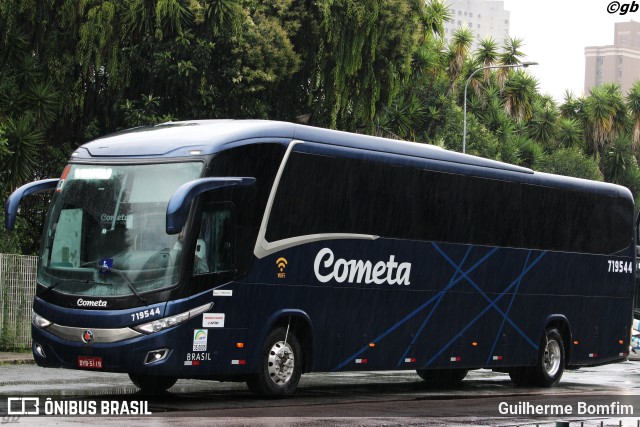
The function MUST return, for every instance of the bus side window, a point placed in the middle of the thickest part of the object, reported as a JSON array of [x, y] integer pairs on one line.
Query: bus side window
[[215, 243]]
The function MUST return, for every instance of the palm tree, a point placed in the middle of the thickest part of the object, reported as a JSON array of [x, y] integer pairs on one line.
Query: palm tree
[[543, 125], [569, 132], [458, 50], [519, 94], [571, 107], [499, 121], [511, 55], [618, 160], [403, 117], [223, 16], [531, 154], [43, 100], [487, 54], [633, 103], [24, 143], [605, 117], [436, 13]]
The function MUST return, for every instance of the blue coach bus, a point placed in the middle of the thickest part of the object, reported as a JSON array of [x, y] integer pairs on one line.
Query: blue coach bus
[[257, 251]]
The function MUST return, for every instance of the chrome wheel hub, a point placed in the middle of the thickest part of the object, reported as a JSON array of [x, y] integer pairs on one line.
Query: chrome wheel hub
[[552, 358], [281, 362]]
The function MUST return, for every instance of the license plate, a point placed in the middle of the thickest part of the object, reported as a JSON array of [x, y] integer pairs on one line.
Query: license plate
[[87, 362]]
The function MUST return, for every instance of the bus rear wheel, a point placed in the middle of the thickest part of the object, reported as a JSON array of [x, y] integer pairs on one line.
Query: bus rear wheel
[[280, 366], [549, 367], [442, 378], [151, 384]]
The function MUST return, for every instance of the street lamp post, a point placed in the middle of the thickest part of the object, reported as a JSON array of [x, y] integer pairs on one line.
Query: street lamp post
[[464, 122]]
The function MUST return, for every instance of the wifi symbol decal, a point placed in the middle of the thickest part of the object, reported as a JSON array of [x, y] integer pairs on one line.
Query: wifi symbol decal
[[281, 263]]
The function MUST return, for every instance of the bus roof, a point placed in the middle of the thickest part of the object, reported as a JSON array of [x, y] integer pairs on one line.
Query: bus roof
[[179, 139], [205, 137]]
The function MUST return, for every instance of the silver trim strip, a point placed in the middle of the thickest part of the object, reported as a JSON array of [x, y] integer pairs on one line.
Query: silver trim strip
[[264, 248], [279, 245], [99, 335]]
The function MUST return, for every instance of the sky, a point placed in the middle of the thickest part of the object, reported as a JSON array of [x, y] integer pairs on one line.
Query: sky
[[555, 33]]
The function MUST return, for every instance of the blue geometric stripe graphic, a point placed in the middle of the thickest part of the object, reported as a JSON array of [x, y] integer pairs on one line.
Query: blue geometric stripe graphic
[[491, 302], [459, 275], [513, 297], [416, 311], [433, 309]]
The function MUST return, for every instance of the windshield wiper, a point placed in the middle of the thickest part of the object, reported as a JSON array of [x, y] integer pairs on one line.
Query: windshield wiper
[[129, 284]]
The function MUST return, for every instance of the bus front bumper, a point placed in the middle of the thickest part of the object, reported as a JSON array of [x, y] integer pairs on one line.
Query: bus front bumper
[[172, 352]]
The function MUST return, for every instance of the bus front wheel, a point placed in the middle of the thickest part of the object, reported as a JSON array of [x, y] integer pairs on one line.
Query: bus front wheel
[[280, 366], [151, 384], [549, 367]]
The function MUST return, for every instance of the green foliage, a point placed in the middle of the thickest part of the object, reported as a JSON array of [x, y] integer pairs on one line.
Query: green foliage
[[569, 132], [519, 93], [24, 142], [364, 50], [606, 117], [633, 103], [9, 241], [76, 70], [571, 162], [618, 159], [531, 153], [543, 126]]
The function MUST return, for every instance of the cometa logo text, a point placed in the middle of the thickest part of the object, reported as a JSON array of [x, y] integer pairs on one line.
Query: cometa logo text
[[327, 268], [96, 303]]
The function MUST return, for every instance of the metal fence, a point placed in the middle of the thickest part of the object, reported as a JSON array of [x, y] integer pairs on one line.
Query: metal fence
[[17, 287]]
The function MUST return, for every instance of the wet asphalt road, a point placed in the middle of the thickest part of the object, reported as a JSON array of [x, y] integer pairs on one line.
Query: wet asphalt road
[[363, 398]]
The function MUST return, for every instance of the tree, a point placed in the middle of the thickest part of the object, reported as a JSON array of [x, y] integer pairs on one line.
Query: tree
[[436, 13], [618, 160], [519, 94], [364, 50], [571, 162], [488, 55], [511, 55], [633, 104], [458, 50], [543, 125], [572, 107], [605, 117], [531, 153], [569, 133]]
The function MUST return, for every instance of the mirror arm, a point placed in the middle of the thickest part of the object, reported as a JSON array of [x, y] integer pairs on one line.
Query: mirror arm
[[13, 202]]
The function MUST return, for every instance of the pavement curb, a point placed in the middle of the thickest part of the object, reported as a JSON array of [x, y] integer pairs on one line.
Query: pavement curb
[[16, 359]]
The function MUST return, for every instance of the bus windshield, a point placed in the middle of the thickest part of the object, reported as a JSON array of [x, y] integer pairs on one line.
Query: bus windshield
[[105, 234]]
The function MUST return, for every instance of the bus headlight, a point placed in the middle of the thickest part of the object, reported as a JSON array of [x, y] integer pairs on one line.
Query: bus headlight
[[171, 321], [39, 321]]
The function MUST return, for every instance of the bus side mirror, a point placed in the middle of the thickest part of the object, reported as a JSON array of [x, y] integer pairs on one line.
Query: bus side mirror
[[180, 201], [13, 202]]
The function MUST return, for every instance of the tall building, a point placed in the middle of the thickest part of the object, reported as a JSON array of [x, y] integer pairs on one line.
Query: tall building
[[617, 63], [486, 18]]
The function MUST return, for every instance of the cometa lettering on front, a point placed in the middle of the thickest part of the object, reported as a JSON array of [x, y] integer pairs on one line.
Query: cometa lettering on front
[[87, 303], [327, 268]]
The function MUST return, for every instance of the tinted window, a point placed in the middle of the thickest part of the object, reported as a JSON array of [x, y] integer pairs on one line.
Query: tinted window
[[321, 194]]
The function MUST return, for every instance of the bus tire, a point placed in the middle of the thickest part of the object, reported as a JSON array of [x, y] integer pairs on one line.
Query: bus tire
[[280, 365], [522, 376], [442, 378], [152, 384], [550, 364]]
